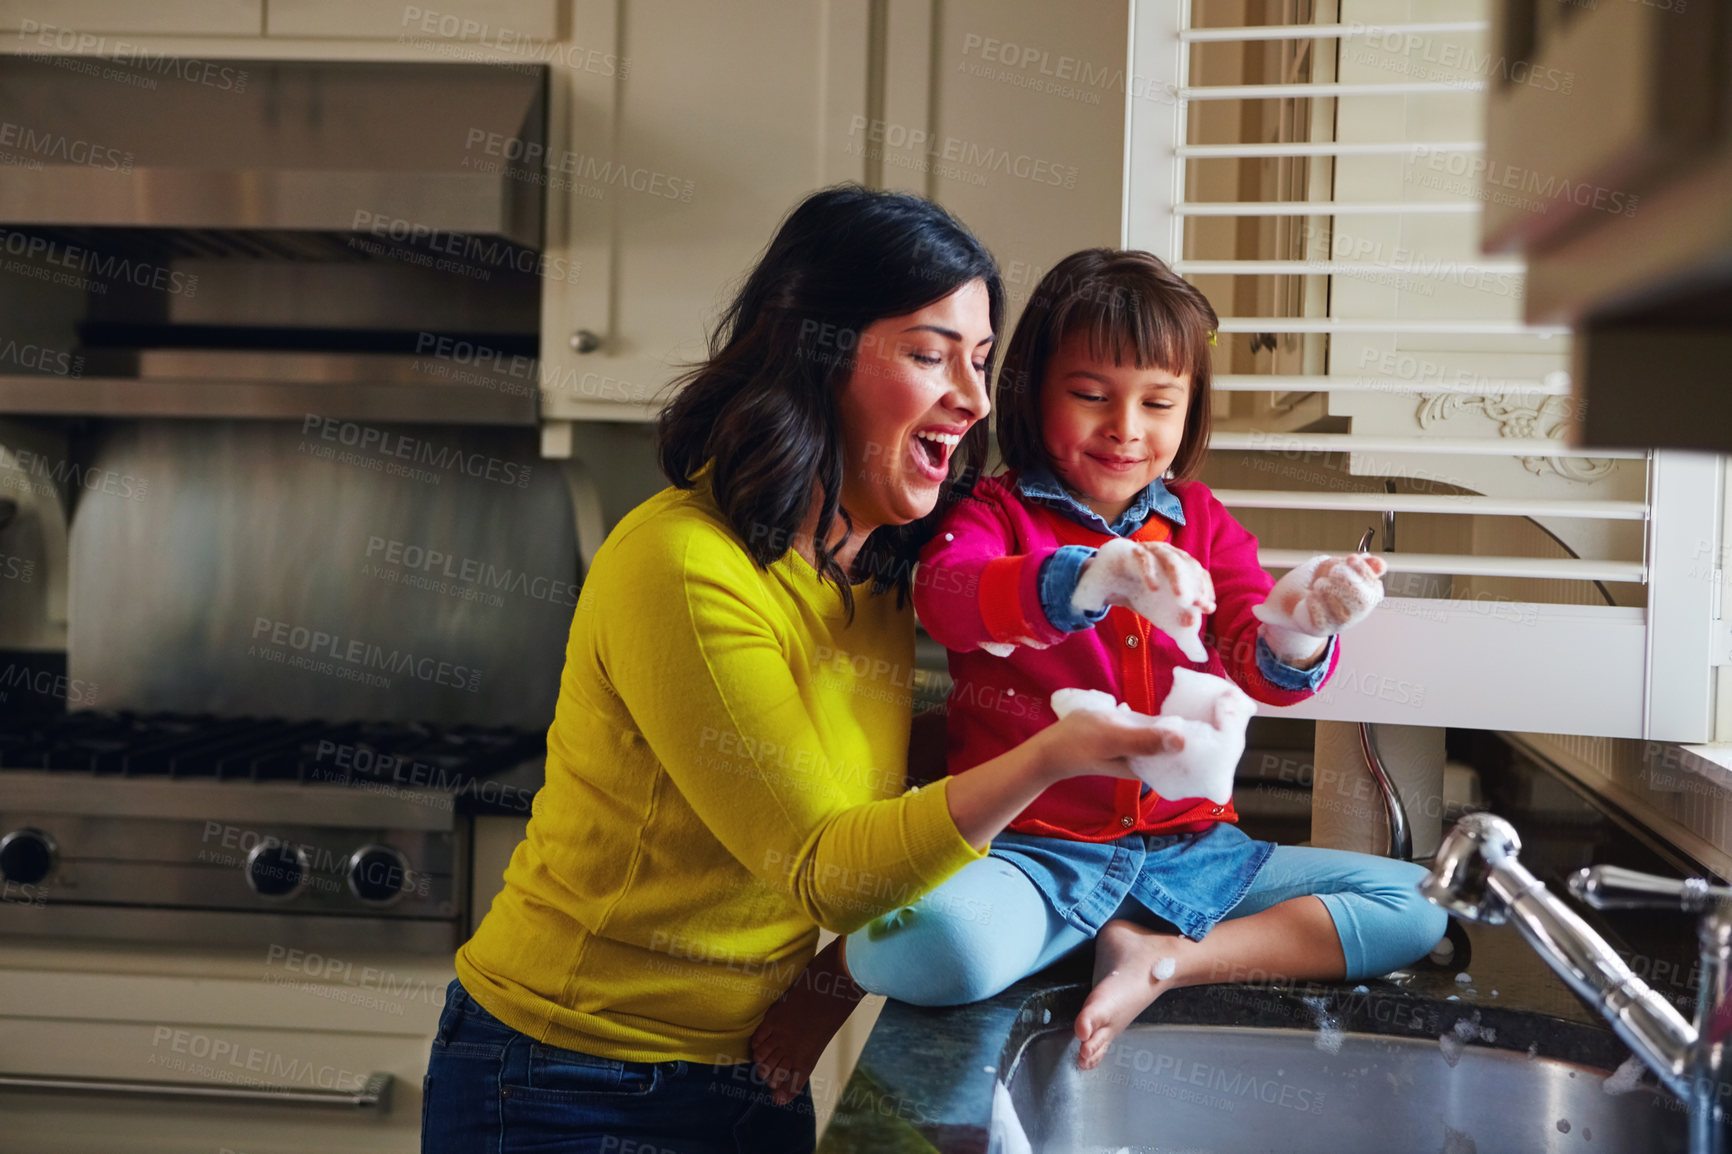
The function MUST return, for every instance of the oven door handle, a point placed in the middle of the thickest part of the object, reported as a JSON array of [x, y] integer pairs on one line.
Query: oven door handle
[[374, 1094]]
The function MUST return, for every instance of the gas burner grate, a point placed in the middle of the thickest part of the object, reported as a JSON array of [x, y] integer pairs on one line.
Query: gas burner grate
[[182, 746]]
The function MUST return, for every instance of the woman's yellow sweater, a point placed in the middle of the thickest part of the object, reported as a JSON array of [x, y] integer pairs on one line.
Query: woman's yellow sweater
[[724, 776]]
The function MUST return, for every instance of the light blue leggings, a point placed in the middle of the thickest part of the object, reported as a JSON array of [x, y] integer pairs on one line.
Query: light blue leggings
[[989, 925]]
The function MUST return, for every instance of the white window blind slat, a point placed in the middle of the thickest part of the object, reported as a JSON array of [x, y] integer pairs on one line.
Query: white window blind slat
[[1472, 385], [1319, 208], [1323, 31], [1442, 268], [1316, 91], [1257, 441], [1367, 148], [1470, 326], [1432, 503]]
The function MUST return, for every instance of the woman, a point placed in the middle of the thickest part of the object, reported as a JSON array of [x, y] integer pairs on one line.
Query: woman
[[726, 764]]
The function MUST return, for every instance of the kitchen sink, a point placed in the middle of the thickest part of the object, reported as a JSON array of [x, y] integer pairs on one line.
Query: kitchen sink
[[1190, 1089]]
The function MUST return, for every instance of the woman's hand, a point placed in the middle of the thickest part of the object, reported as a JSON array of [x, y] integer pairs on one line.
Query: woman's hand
[[1161, 582], [1317, 600], [987, 798], [1099, 741]]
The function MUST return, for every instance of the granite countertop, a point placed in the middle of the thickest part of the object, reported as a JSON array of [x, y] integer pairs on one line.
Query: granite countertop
[[925, 1081]]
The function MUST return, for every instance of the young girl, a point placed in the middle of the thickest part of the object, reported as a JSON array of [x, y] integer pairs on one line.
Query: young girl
[[1103, 419]]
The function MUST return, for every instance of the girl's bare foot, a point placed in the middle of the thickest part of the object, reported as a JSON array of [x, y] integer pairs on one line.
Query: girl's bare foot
[[1133, 967], [795, 1030]]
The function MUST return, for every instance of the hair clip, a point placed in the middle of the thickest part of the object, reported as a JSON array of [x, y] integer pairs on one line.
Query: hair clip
[[1213, 338]]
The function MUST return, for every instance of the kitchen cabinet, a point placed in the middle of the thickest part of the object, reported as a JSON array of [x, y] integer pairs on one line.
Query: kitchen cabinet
[[674, 156], [101, 17], [683, 153]]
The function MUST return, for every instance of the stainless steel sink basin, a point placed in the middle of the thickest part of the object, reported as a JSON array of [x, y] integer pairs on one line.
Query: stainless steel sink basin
[[1222, 1088]]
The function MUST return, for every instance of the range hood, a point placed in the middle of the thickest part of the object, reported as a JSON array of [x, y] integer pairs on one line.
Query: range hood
[[350, 239], [312, 146]]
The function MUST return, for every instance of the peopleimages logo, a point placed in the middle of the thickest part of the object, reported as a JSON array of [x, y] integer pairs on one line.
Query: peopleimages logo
[[65, 149], [532, 46], [193, 70], [39, 474], [435, 564], [383, 443], [916, 147], [105, 266], [42, 359], [42, 683], [579, 171], [1492, 175], [463, 252], [271, 637]]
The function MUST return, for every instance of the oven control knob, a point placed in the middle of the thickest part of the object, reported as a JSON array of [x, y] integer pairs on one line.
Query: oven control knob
[[26, 856], [277, 870], [378, 874]]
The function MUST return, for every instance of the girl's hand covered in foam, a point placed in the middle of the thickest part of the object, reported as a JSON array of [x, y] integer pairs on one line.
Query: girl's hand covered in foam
[[1209, 712], [1163, 583], [1318, 600]]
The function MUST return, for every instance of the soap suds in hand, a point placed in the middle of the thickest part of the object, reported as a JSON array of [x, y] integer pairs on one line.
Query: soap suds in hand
[[1117, 576], [1209, 712], [1164, 969]]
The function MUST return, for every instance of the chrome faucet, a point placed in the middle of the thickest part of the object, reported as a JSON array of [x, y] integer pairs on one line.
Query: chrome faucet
[[1477, 876], [1400, 836]]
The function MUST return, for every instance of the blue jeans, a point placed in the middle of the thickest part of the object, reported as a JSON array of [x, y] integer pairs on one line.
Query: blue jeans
[[492, 1090], [990, 925]]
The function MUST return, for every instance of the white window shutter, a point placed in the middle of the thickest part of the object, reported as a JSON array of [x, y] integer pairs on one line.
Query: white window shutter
[[1409, 359]]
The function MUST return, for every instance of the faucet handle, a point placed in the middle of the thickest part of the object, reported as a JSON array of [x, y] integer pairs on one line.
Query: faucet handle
[[1616, 888]]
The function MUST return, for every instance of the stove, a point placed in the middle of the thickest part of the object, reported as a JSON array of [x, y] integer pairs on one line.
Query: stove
[[242, 831]]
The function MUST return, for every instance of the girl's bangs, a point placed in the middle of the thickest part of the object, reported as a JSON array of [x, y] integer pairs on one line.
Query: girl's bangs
[[1124, 326]]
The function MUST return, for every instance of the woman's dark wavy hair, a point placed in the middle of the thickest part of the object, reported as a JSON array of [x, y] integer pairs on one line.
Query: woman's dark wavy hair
[[762, 409], [1132, 309]]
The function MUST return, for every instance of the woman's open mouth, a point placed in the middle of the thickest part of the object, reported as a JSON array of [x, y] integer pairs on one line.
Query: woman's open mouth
[[930, 451]]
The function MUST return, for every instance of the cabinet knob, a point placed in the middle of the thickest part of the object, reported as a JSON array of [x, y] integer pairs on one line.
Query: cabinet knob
[[584, 341]]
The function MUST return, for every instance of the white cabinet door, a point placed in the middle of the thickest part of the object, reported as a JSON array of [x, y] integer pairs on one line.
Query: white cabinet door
[[70, 18], [682, 134]]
